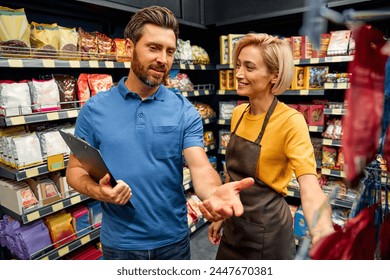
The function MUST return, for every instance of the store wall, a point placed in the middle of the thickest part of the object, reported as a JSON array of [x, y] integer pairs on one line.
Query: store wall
[[189, 11], [226, 12], [221, 12]]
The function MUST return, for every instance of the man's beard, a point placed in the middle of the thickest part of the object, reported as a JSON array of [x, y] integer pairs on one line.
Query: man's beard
[[142, 73]]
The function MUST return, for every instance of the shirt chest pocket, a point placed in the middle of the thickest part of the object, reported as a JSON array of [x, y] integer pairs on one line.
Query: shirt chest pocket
[[167, 141]]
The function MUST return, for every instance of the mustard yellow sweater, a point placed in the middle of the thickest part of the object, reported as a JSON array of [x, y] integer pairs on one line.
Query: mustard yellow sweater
[[286, 145]]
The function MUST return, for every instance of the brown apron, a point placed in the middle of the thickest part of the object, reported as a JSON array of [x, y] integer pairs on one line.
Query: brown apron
[[265, 230]]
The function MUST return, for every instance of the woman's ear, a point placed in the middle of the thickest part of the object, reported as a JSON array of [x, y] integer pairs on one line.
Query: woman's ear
[[274, 78]]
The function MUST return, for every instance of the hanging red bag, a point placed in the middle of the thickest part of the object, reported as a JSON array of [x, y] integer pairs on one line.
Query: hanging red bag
[[356, 241], [384, 239], [362, 122]]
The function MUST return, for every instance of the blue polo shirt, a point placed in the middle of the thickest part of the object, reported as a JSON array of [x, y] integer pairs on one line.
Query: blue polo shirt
[[141, 143]]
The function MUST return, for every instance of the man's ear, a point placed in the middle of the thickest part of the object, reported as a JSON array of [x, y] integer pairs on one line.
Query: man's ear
[[129, 47]]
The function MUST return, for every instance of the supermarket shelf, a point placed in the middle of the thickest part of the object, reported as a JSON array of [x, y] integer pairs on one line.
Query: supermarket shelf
[[336, 202], [224, 66], [57, 253], [183, 66], [328, 59], [309, 61], [335, 111], [223, 122], [314, 128], [331, 142], [41, 212], [331, 172], [342, 203], [187, 186], [57, 63], [197, 93], [198, 225], [30, 172], [305, 92], [226, 92], [209, 120], [209, 148], [38, 117], [293, 192], [337, 85]]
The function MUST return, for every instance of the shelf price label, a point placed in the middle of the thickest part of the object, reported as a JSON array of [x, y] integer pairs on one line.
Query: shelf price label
[[55, 162]]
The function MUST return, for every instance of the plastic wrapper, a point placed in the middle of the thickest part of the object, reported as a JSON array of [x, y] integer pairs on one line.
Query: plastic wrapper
[[177, 81], [60, 228], [99, 82], [120, 49], [364, 98], [199, 55], [329, 157], [26, 150], [386, 117], [204, 110], [67, 90], [44, 40], [15, 98], [83, 92], [226, 109], [106, 47], [45, 95], [14, 33], [356, 240], [52, 143], [183, 52], [68, 43], [333, 130], [88, 45]]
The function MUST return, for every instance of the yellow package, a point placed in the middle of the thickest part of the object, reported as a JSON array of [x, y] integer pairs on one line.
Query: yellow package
[[14, 33]]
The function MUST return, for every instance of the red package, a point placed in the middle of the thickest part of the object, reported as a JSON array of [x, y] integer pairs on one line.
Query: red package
[[83, 92], [316, 115], [304, 109], [384, 239], [356, 241], [362, 123], [386, 151], [99, 82]]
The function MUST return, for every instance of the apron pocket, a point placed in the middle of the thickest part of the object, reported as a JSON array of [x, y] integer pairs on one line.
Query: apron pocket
[[244, 234]]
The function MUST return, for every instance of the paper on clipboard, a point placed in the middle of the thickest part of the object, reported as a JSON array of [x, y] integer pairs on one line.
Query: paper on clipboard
[[89, 157]]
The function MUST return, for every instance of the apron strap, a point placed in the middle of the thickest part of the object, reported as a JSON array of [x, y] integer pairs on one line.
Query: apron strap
[[246, 109], [267, 117]]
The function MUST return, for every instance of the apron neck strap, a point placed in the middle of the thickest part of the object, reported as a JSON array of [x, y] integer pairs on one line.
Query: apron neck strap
[[267, 117], [246, 109]]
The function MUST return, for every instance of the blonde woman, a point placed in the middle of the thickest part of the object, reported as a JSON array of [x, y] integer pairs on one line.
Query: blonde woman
[[269, 141]]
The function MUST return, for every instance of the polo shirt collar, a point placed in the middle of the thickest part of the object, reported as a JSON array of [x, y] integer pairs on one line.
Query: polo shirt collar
[[124, 91]]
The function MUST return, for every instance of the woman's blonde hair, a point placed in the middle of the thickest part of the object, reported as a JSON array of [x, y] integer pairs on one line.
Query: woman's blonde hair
[[276, 54]]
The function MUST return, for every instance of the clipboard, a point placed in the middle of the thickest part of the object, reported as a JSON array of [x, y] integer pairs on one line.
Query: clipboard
[[90, 158]]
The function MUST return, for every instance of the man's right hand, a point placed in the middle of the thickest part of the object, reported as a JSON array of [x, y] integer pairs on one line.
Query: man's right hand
[[119, 194]]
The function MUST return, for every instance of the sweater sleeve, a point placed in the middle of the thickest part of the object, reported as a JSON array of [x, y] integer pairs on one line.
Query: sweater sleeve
[[299, 148]]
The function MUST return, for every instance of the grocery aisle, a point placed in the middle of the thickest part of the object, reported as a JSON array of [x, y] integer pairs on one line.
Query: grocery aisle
[[201, 247]]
